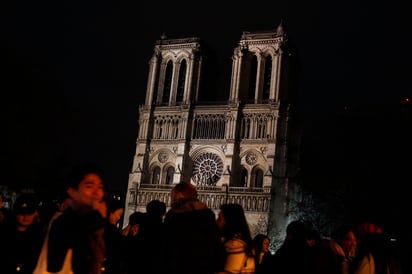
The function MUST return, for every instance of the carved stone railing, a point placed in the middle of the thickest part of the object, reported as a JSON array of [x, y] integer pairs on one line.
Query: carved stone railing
[[252, 199]]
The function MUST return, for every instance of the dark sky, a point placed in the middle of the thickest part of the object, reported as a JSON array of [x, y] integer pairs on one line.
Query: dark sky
[[74, 72]]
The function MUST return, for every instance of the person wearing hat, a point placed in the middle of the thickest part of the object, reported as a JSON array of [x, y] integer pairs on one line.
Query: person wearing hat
[[21, 239]]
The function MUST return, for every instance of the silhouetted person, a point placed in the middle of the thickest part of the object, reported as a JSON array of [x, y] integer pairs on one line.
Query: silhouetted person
[[21, 239], [263, 257], [237, 240], [115, 241], [81, 225], [191, 242], [374, 253], [293, 257]]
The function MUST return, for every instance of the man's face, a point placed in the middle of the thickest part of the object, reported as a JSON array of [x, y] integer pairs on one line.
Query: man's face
[[89, 191]]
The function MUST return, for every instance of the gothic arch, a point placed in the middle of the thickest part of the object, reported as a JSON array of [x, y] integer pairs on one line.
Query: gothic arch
[[256, 176], [162, 156]]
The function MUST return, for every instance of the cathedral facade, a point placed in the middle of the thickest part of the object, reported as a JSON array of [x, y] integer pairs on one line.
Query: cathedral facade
[[236, 151]]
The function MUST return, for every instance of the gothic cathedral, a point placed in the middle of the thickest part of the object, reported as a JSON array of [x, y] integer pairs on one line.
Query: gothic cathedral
[[237, 151]]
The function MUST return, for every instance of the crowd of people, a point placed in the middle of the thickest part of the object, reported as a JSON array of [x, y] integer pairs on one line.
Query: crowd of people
[[83, 236]]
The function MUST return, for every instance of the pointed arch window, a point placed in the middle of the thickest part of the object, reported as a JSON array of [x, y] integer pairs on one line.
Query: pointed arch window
[[168, 83], [243, 177], [267, 77], [169, 175], [258, 182], [181, 82], [156, 175], [252, 79]]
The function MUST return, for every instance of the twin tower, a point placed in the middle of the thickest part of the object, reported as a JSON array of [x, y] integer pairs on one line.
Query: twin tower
[[242, 150]]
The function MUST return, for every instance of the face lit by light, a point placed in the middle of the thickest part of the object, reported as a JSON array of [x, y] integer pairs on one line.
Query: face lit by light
[[265, 245], [89, 191]]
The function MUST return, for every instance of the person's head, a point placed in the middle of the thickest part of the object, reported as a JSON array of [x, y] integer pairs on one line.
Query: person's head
[[312, 237], [232, 221], [156, 208], [135, 220], [181, 192], [370, 237], [344, 235], [85, 186], [261, 243], [25, 211], [296, 231]]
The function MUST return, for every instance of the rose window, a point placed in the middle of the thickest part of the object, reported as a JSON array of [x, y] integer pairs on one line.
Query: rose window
[[163, 156], [207, 169], [251, 158]]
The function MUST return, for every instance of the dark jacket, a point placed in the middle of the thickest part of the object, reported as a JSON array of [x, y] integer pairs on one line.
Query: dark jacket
[[20, 249], [191, 243], [76, 231]]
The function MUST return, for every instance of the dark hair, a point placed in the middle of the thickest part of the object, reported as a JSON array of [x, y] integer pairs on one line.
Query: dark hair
[[296, 231], [156, 208], [78, 172], [137, 217], [258, 241], [187, 189], [340, 231], [236, 225]]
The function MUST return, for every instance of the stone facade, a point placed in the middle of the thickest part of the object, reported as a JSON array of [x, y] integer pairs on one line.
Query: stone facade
[[234, 151]]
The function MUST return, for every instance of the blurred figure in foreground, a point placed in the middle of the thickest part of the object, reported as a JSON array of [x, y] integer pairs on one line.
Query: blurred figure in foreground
[[191, 243], [22, 238], [263, 257], [335, 255], [374, 253], [81, 225], [237, 240], [115, 241], [294, 255], [135, 250]]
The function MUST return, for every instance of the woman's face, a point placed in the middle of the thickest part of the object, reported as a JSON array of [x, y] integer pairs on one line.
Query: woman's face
[[265, 245], [349, 242]]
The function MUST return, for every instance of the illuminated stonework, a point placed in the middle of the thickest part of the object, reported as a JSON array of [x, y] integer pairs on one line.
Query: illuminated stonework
[[251, 158], [207, 169], [163, 157]]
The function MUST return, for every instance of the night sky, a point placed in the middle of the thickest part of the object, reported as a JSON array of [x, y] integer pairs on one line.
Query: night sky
[[74, 73]]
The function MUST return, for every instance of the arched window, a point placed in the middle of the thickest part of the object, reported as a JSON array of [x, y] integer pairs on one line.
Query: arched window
[[156, 175], [267, 77], [169, 175], [168, 83], [258, 178], [252, 79], [243, 178], [181, 82]]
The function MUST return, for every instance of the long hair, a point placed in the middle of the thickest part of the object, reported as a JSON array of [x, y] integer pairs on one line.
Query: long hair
[[236, 225]]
